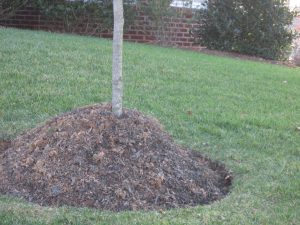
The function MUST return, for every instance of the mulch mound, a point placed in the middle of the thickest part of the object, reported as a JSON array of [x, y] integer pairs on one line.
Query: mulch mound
[[90, 158]]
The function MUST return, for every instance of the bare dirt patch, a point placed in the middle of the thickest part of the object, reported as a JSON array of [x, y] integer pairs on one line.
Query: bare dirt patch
[[90, 158]]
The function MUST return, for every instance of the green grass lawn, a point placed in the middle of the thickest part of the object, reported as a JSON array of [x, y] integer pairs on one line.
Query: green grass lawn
[[242, 113]]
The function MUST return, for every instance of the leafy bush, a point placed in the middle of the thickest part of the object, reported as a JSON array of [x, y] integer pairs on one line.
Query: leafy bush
[[160, 15], [8, 7], [92, 16], [255, 27]]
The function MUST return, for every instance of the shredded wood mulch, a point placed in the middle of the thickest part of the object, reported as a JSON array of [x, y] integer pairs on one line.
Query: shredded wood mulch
[[4, 145], [90, 158]]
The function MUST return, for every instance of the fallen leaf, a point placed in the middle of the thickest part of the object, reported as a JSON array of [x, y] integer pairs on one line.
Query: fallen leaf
[[98, 156], [120, 193]]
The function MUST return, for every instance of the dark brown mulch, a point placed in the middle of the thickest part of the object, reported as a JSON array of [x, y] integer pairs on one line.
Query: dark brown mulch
[[4, 145], [90, 158]]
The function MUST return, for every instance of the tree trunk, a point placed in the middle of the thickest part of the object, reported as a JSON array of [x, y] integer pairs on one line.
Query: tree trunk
[[117, 83]]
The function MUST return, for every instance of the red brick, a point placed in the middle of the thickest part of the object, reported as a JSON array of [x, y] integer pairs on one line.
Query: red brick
[[126, 36], [188, 16], [131, 32], [150, 38], [183, 30], [179, 34], [187, 44], [141, 32], [137, 27], [137, 37], [106, 35]]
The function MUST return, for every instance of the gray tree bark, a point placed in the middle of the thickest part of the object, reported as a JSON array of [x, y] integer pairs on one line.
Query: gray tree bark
[[117, 82]]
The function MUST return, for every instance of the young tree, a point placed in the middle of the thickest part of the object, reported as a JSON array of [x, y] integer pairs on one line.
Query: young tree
[[117, 83]]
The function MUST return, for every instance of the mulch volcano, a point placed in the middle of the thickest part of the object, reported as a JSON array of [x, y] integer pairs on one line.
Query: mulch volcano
[[90, 158]]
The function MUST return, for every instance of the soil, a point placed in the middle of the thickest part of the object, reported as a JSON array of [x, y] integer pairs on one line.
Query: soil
[[90, 158]]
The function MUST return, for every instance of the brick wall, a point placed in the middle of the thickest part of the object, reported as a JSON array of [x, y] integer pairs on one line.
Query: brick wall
[[178, 30], [30, 18], [297, 24]]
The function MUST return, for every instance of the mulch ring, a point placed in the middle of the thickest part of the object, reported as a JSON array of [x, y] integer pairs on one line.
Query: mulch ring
[[89, 158]]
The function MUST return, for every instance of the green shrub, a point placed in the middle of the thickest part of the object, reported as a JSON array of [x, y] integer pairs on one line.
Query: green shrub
[[161, 16], [91, 16], [9, 7], [256, 27]]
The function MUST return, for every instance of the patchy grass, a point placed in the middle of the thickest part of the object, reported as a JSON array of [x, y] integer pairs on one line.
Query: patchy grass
[[240, 112]]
